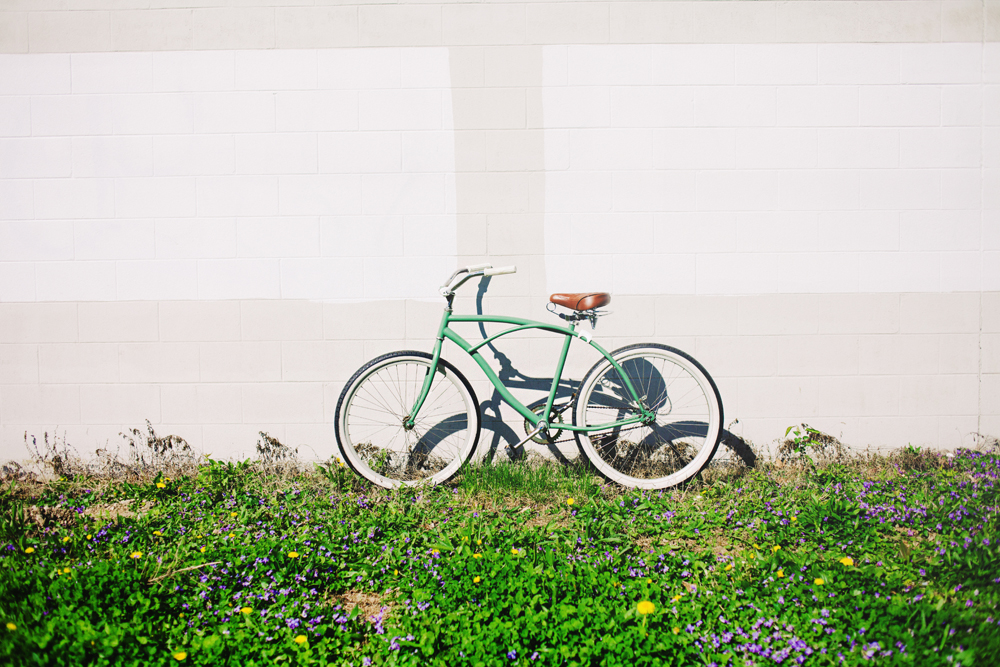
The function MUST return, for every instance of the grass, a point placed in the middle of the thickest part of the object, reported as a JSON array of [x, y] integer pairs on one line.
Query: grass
[[891, 560]]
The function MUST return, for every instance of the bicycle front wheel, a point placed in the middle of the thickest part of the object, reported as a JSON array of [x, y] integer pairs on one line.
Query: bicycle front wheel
[[667, 451], [370, 417]]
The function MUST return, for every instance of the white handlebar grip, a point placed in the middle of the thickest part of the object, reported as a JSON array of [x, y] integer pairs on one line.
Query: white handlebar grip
[[500, 270], [478, 267]]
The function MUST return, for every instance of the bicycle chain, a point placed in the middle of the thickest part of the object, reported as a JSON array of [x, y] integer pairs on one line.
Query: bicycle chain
[[571, 437]]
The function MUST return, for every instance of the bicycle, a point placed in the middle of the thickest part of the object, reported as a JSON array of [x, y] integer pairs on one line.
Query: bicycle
[[645, 415]]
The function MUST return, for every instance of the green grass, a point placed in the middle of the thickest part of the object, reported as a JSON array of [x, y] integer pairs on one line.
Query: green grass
[[539, 480], [892, 560]]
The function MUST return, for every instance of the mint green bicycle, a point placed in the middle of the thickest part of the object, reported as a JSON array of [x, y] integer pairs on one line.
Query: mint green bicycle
[[646, 416]]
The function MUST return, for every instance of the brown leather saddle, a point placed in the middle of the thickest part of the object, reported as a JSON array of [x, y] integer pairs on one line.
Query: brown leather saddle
[[581, 301]]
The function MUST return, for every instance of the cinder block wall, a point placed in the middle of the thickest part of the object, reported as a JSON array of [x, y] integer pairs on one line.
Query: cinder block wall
[[210, 216]]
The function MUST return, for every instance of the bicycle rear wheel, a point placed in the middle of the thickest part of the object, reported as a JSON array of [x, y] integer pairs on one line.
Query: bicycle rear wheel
[[377, 400], [671, 449]]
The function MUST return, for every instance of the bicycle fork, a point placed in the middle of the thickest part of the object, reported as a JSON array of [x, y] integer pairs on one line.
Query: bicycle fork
[[410, 419]]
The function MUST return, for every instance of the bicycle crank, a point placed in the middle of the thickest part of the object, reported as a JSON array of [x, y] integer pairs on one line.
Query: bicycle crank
[[555, 418]]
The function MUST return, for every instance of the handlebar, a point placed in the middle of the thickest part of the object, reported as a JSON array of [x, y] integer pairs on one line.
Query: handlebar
[[461, 275]]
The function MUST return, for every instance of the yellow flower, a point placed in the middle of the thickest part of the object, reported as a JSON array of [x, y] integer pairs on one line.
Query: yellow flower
[[756, 546], [161, 485], [479, 541], [570, 501], [649, 581], [434, 552], [136, 554], [645, 607], [232, 535], [246, 610], [66, 570], [301, 639], [66, 539], [232, 515], [677, 630], [477, 555], [293, 554], [781, 573], [677, 597], [180, 655], [157, 533], [29, 550], [202, 550], [794, 518], [11, 627], [818, 581], [729, 566], [476, 580], [395, 573], [514, 552], [776, 548], [90, 537], [847, 560]]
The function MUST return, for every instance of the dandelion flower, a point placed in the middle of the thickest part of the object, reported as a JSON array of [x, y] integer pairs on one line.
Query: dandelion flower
[[246, 610], [293, 554], [90, 537], [395, 573], [66, 539], [570, 501], [11, 626], [646, 607], [781, 573], [476, 580], [677, 630], [301, 639], [729, 566], [847, 560], [161, 485], [776, 548], [232, 535], [180, 655], [135, 554], [794, 518], [29, 550], [479, 541], [66, 570], [514, 552], [649, 581], [202, 550], [157, 533], [477, 555], [818, 581]]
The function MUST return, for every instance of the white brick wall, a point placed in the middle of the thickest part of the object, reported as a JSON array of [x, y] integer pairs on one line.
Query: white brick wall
[[227, 157], [798, 140], [802, 195]]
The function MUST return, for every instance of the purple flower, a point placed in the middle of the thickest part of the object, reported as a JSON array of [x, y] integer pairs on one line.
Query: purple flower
[[512, 655]]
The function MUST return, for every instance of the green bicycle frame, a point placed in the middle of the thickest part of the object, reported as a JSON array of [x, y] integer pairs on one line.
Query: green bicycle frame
[[519, 324]]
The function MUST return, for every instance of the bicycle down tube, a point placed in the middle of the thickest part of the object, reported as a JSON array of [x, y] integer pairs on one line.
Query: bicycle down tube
[[519, 324]]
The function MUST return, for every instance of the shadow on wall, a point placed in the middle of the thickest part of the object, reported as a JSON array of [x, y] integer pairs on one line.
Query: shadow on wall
[[513, 379]]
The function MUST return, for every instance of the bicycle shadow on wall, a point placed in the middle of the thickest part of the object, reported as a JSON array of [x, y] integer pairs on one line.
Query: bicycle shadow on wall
[[514, 379]]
